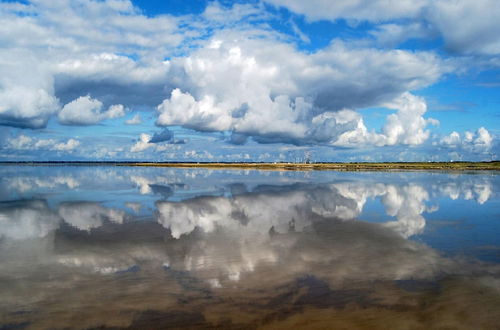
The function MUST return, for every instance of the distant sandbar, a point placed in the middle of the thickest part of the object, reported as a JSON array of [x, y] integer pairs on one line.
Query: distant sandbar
[[281, 166]]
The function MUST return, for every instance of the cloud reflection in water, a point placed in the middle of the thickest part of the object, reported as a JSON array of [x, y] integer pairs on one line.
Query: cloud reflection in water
[[225, 237]]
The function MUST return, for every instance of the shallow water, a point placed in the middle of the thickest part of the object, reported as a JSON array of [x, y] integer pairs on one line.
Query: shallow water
[[104, 247]]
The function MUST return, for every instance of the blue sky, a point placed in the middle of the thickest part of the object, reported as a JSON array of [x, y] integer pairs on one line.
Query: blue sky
[[268, 80]]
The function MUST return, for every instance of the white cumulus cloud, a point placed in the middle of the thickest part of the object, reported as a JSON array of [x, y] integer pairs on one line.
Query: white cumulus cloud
[[479, 141], [66, 146], [467, 26], [88, 111], [142, 144], [136, 120], [407, 126], [24, 142], [50, 49], [275, 93], [227, 69]]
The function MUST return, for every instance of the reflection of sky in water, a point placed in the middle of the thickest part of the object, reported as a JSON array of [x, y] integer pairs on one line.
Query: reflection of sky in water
[[84, 196], [232, 229]]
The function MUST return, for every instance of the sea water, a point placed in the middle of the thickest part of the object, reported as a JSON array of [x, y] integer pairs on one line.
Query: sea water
[[151, 247]]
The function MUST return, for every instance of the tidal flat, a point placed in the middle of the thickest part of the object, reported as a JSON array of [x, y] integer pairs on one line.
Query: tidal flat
[[141, 247]]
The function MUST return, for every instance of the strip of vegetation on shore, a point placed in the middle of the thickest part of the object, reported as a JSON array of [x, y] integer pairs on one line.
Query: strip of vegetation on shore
[[280, 166]]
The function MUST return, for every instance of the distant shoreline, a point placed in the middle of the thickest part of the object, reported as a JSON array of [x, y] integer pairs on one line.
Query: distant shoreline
[[360, 166]]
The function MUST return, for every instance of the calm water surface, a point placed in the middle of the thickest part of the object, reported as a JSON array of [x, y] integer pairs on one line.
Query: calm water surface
[[117, 247]]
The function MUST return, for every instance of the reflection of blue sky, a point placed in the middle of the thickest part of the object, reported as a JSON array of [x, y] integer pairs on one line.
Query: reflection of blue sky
[[461, 227]]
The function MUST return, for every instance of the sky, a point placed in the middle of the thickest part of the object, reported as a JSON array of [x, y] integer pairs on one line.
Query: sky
[[261, 80]]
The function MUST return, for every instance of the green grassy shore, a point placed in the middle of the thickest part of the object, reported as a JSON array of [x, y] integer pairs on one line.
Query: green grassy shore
[[445, 166]]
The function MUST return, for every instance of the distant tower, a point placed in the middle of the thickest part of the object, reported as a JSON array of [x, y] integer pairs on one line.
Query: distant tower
[[307, 157]]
